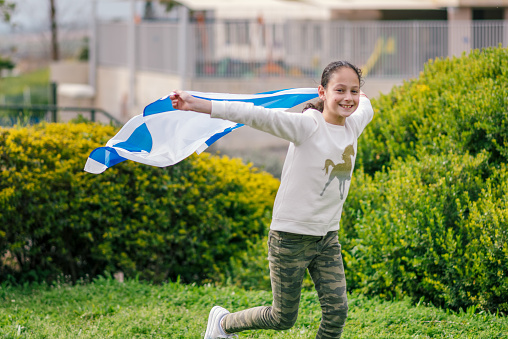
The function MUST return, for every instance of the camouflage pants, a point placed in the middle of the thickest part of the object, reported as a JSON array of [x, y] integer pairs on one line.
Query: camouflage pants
[[289, 256]]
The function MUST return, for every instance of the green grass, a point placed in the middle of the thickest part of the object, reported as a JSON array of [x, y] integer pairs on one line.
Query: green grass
[[16, 85], [105, 308], [12, 92]]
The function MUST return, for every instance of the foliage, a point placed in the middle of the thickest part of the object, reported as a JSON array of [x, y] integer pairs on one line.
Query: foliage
[[249, 269], [6, 63], [84, 51], [426, 216], [186, 220], [105, 308], [6, 8], [171, 4], [456, 105], [433, 229]]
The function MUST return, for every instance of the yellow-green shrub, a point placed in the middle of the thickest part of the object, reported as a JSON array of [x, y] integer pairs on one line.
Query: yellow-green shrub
[[455, 105], [426, 214], [185, 220], [433, 229]]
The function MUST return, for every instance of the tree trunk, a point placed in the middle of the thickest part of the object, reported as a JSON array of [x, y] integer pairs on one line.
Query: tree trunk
[[54, 33]]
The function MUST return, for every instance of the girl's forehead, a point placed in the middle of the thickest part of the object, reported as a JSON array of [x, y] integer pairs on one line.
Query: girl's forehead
[[344, 75]]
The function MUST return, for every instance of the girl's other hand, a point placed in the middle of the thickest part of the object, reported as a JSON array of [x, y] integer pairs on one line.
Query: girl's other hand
[[185, 102]]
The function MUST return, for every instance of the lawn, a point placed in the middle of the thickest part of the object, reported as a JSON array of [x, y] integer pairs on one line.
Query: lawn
[[16, 85], [105, 308]]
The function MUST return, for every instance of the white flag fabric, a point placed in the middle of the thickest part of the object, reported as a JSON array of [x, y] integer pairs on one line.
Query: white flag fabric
[[163, 136]]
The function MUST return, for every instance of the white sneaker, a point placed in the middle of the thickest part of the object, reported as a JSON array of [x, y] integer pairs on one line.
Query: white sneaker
[[214, 329]]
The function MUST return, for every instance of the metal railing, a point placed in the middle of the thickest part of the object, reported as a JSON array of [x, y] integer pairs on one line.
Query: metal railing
[[31, 114], [245, 49]]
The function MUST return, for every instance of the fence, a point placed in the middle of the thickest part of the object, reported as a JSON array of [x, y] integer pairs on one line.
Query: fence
[[38, 103], [242, 49], [11, 115], [40, 94], [37, 45]]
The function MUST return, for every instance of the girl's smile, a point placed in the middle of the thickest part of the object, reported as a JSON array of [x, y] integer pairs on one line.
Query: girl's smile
[[347, 107]]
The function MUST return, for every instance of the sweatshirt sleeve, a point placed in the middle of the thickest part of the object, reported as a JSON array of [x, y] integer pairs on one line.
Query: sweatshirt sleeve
[[294, 127], [362, 116]]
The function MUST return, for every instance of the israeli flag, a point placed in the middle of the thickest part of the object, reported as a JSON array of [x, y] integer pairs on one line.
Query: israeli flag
[[163, 136]]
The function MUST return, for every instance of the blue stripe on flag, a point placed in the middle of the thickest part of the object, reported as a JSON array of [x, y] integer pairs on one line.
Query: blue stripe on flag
[[271, 101], [217, 136], [139, 140], [271, 92], [280, 101], [107, 156], [159, 106]]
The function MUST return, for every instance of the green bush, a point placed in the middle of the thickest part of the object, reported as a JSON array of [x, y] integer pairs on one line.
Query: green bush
[[6, 63], [426, 215], [456, 105], [186, 220], [433, 229]]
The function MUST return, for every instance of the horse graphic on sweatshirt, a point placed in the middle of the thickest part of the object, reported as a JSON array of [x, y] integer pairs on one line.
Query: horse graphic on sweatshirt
[[341, 171]]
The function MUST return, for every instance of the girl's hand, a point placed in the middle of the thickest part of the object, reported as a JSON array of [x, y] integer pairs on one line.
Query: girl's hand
[[185, 102]]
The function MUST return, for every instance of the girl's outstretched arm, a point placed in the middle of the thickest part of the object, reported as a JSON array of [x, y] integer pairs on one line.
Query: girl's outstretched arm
[[289, 126], [184, 101]]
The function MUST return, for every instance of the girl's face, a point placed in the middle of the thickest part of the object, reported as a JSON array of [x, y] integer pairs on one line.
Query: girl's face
[[341, 96]]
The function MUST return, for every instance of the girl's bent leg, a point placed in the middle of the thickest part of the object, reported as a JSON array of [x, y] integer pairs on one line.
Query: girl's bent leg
[[327, 272], [289, 257]]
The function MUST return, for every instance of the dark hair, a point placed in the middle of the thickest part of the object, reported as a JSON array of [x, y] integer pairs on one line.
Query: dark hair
[[325, 78]]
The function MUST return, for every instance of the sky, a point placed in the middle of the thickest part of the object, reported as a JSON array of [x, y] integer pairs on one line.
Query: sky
[[34, 15]]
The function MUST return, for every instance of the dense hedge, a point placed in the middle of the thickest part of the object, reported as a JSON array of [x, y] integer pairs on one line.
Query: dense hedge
[[435, 229], [427, 213], [455, 105], [159, 223]]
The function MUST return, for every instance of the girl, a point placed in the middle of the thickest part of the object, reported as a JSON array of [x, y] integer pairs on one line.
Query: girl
[[308, 206]]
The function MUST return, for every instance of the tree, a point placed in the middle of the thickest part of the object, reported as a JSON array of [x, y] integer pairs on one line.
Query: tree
[[55, 55], [6, 9]]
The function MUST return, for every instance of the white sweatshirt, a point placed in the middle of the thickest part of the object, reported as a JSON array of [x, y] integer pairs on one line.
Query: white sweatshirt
[[318, 167]]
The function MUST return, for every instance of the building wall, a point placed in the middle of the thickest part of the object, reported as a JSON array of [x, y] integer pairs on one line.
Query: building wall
[[459, 32], [113, 88], [73, 72], [73, 90], [151, 86], [112, 91]]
